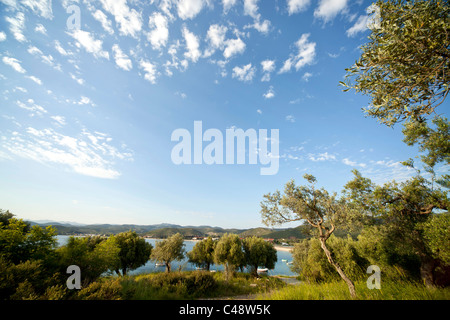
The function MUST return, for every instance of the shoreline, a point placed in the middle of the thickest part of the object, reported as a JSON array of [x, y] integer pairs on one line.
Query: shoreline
[[281, 248]]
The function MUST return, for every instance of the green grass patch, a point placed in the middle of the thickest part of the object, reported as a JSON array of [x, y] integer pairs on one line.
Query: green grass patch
[[178, 286], [339, 291]]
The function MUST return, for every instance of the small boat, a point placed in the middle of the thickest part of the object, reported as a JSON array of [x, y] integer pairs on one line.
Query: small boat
[[159, 264], [284, 260], [262, 270], [289, 263]]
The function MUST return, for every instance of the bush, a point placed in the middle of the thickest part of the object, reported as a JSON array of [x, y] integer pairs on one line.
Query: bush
[[105, 289], [311, 263]]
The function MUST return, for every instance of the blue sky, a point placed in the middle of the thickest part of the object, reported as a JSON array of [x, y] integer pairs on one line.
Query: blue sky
[[87, 113]]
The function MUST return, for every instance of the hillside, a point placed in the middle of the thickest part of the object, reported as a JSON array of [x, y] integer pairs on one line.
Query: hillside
[[166, 230]]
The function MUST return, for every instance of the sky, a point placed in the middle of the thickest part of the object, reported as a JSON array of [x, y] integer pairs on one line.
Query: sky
[[92, 91]]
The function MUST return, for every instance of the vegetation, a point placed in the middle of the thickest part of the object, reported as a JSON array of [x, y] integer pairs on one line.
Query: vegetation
[[169, 250], [401, 227], [229, 253], [320, 209], [339, 291], [258, 252], [133, 251], [203, 253]]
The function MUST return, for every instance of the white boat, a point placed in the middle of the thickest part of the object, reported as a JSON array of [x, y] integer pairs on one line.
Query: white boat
[[289, 263], [262, 270], [284, 260], [159, 264]]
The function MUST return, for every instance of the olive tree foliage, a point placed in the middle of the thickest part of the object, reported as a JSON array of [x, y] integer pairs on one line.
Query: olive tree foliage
[[229, 253], [134, 251], [258, 252], [202, 253], [409, 217], [168, 250], [323, 211], [405, 65], [405, 69], [94, 255]]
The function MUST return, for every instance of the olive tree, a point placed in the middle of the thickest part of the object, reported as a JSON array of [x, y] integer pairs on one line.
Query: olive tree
[[405, 69], [202, 253], [168, 250], [134, 251], [323, 211], [229, 253], [258, 252]]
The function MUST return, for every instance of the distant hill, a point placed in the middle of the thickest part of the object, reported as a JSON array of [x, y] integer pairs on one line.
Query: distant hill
[[165, 230]]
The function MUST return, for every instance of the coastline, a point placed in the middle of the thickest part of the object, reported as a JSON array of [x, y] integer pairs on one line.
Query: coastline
[[281, 248]]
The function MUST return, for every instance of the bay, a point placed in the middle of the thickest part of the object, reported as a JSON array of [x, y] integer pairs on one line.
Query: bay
[[281, 266]]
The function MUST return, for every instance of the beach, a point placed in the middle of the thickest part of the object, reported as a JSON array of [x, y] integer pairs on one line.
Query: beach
[[282, 248]]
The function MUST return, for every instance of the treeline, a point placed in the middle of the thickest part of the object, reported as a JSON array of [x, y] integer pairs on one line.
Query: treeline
[[164, 231], [33, 266]]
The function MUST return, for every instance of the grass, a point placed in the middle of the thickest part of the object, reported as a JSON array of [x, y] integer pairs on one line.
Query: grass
[[188, 285], [193, 285], [339, 291]]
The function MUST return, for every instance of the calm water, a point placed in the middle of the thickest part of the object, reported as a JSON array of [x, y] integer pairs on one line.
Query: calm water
[[281, 268]]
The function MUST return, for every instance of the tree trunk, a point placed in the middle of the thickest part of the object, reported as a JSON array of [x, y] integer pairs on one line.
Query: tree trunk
[[351, 286], [124, 271], [427, 267], [168, 267]]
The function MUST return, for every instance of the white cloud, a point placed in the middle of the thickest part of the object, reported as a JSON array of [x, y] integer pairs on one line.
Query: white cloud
[[251, 9], [17, 26], [47, 59], [383, 171], [348, 162], [79, 80], [192, 45], [188, 9], [262, 27], [233, 47], [306, 76], [122, 60], [35, 79], [2, 36], [40, 7], [290, 118], [85, 100], [359, 26], [269, 94], [32, 107], [244, 73], [89, 154], [227, 5], [86, 40], [129, 20], [305, 55], [268, 66], [60, 120], [215, 36], [259, 111], [321, 157], [14, 63], [150, 71], [295, 6], [159, 35], [369, 21], [41, 29], [60, 49], [329, 9], [101, 17]]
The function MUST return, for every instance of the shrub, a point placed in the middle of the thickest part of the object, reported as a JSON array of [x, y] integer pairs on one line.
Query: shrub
[[105, 289]]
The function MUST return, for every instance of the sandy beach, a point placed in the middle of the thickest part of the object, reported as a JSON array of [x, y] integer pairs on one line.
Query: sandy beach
[[282, 248]]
